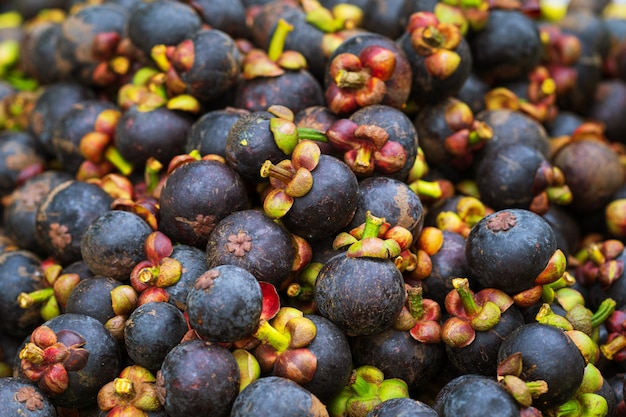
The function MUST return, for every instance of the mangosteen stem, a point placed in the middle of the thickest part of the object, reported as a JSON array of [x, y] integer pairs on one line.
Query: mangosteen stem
[[311, 134], [461, 285], [124, 387], [430, 189], [545, 315], [610, 349], [372, 225], [268, 169], [32, 353], [605, 309], [277, 43], [416, 307], [362, 387], [266, 333], [148, 275], [480, 132], [537, 387], [26, 300], [113, 156], [363, 159], [351, 79], [433, 37], [152, 174], [594, 253]]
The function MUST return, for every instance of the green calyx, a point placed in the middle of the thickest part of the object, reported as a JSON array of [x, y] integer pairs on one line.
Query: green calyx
[[369, 245], [366, 389]]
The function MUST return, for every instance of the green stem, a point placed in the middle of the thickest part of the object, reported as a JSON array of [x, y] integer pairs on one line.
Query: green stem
[[372, 225], [268, 169], [610, 349], [461, 285], [351, 79], [363, 388], [549, 317], [152, 174], [277, 43], [606, 308], [416, 307], [311, 134], [537, 387], [269, 335], [430, 189], [26, 300], [115, 157]]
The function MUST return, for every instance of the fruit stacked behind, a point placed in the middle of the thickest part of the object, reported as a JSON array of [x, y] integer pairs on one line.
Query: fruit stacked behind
[[314, 208]]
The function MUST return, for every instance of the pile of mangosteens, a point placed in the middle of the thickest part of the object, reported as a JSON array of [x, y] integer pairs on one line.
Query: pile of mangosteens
[[324, 208]]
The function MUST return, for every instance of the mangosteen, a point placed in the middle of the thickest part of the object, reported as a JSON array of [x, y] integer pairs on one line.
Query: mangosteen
[[476, 326], [113, 243], [208, 133], [591, 167], [89, 39], [376, 140], [449, 134], [196, 196], [193, 262], [105, 299], [470, 395], [86, 123], [439, 55], [19, 397], [207, 64], [392, 199], [229, 17], [277, 77], [158, 133], [279, 397], [198, 378], [65, 213], [396, 407], [512, 126], [367, 69], [21, 207], [51, 105], [508, 47], [85, 356], [362, 290], [20, 272], [151, 331], [314, 195], [251, 240], [21, 157], [448, 262], [225, 304], [549, 355], [165, 22], [531, 183], [518, 240], [399, 355]]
